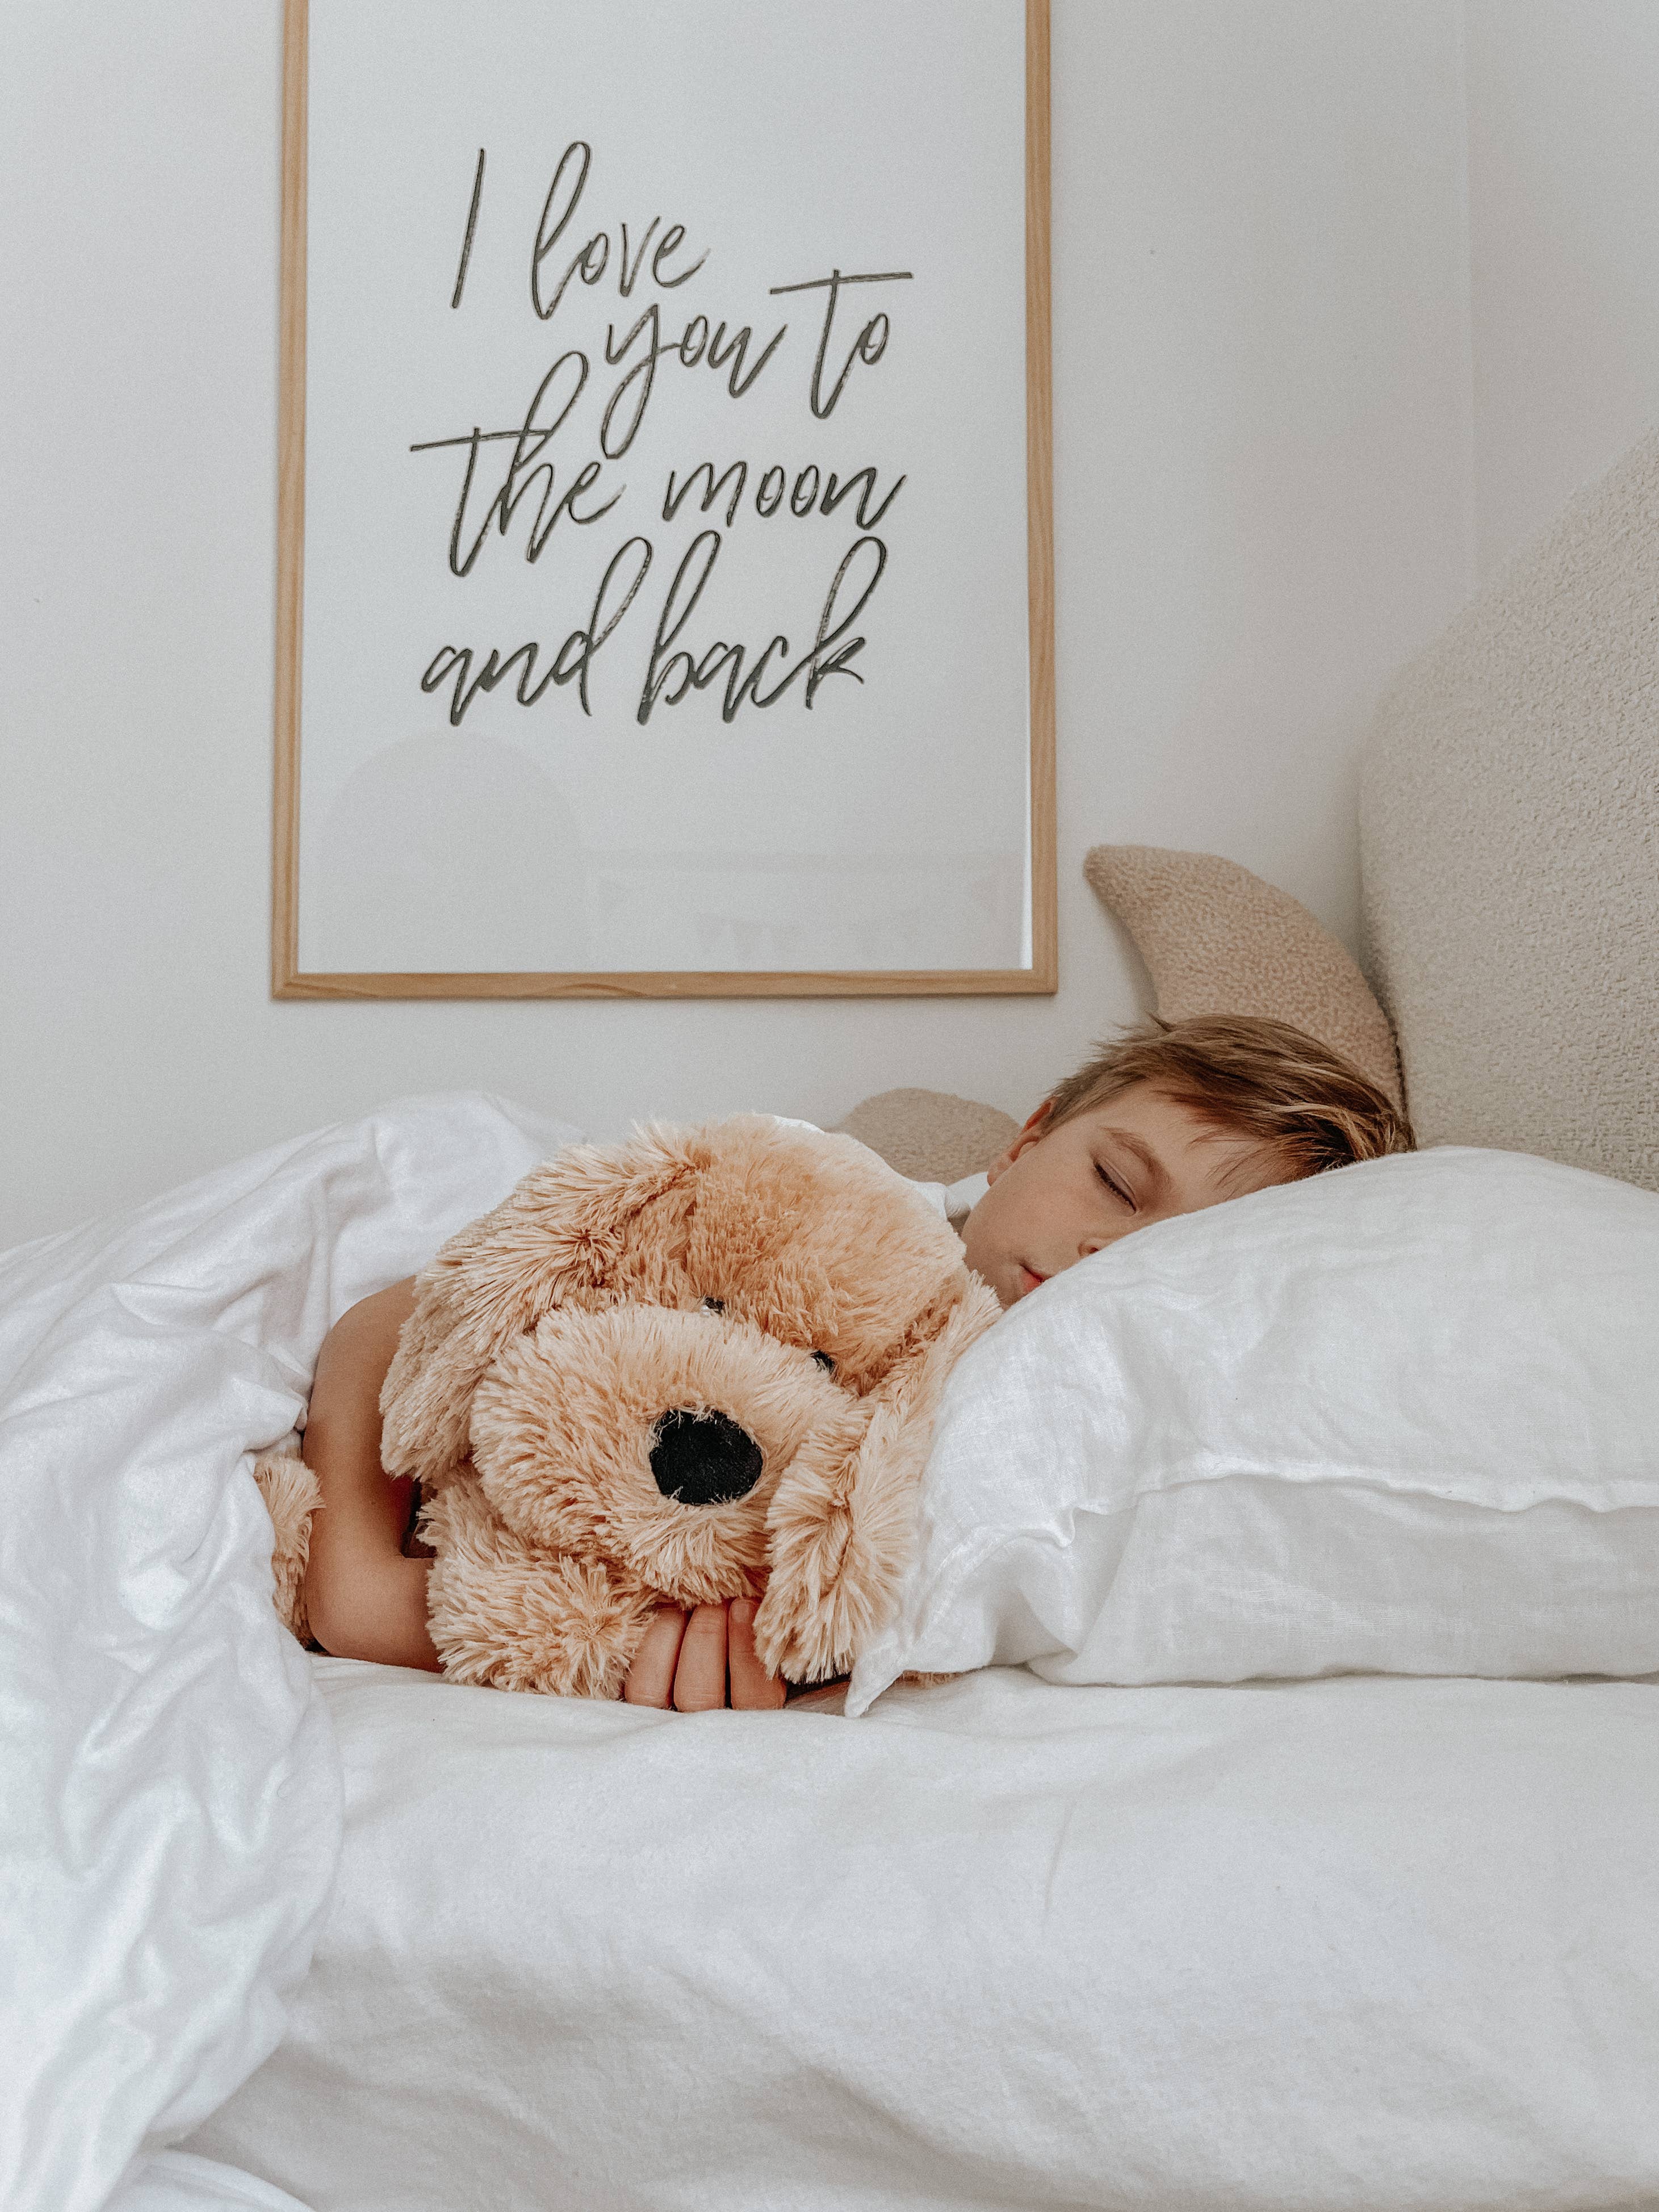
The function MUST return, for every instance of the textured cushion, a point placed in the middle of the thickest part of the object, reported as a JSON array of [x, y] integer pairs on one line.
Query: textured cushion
[[1509, 837], [1401, 1417], [1218, 940], [929, 1135]]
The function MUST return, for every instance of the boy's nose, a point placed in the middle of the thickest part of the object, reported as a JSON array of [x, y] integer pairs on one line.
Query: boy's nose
[[703, 1459], [1099, 1240]]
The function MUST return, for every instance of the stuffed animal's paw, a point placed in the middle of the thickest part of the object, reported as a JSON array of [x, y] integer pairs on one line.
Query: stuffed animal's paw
[[291, 1492], [503, 1615]]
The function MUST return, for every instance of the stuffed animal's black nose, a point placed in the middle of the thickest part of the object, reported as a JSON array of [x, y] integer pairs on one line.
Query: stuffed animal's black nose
[[704, 1459]]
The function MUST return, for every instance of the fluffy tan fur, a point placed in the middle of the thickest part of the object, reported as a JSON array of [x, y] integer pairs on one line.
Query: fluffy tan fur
[[290, 1491], [787, 1280]]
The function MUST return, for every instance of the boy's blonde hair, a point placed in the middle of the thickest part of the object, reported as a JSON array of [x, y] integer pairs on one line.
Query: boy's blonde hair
[[1252, 1078]]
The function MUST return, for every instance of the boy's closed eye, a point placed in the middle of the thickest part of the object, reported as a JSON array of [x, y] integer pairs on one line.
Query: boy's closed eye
[[1116, 1186]]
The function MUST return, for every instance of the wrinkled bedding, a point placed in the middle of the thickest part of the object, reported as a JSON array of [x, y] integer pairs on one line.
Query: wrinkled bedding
[[170, 1816], [290, 1934], [1368, 1943]]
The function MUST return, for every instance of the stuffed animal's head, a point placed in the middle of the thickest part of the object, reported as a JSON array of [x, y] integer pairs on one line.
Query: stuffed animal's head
[[675, 1368]]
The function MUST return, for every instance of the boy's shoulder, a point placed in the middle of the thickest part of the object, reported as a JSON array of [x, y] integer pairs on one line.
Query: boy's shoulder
[[954, 1201]]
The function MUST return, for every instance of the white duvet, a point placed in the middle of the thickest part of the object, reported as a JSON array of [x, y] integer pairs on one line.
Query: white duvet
[[1368, 1943], [1360, 1943], [170, 1800]]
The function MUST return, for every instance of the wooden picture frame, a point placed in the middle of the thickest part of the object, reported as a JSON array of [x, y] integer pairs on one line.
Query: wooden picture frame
[[290, 980]]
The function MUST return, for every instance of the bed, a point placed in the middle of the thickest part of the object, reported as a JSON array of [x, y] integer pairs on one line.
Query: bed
[[1352, 1942], [305, 1932]]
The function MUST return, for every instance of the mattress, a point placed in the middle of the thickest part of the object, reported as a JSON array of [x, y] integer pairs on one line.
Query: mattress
[[1362, 1943]]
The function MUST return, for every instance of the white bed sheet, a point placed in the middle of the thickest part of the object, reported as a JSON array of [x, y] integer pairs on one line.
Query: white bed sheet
[[1362, 1943]]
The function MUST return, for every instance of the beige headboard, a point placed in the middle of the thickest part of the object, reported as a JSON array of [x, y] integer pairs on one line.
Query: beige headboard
[[1510, 842]]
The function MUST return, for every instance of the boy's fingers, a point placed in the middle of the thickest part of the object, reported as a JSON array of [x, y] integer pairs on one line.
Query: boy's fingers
[[686, 1660], [700, 1677], [650, 1677], [753, 1690]]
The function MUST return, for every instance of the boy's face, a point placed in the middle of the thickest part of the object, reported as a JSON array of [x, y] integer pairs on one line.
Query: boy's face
[[1057, 1195]]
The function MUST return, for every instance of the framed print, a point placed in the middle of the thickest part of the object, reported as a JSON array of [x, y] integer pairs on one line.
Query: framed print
[[664, 564]]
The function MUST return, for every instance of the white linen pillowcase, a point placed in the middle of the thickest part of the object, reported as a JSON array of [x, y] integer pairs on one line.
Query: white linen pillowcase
[[1402, 1417]]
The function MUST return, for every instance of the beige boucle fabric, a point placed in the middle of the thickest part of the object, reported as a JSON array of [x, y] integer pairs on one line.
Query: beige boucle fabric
[[1510, 833], [1218, 940], [929, 1135]]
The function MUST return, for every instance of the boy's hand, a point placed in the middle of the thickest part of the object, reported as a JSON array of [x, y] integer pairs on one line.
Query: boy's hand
[[687, 1660]]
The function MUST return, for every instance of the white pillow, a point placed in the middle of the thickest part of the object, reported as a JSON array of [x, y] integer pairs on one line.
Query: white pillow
[[1402, 1417]]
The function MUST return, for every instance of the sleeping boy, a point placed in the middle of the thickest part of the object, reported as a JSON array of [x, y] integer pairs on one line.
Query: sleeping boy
[[1171, 1117]]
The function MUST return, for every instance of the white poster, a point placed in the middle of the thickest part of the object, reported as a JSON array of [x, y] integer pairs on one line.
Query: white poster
[[666, 594]]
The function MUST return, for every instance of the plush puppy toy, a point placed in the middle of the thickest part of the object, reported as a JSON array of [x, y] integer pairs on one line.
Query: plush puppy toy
[[664, 1369]]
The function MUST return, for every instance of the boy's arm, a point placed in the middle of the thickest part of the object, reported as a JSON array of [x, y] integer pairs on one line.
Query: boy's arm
[[364, 1599]]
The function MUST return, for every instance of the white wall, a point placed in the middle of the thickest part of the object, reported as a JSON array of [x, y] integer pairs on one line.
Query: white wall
[[1262, 471], [1564, 200]]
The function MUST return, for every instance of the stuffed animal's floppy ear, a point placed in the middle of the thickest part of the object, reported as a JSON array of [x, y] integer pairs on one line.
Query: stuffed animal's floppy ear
[[557, 1239], [842, 1531]]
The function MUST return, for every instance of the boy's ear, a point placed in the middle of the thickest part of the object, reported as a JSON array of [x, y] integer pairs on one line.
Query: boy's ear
[[1036, 1127]]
